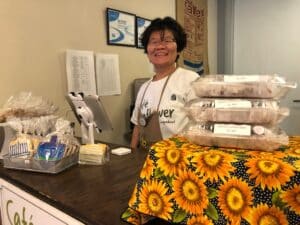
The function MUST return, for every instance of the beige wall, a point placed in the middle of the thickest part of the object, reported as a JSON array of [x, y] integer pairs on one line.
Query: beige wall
[[36, 33]]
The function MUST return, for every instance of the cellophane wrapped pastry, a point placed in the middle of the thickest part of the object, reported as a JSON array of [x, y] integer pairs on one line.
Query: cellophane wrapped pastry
[[239, 136], [41, 141], [26, 105], [251, 111], [242, 86], [31, 133]]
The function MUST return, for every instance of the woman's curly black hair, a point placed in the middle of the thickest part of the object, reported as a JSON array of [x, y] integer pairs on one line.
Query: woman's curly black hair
[[166, 23]]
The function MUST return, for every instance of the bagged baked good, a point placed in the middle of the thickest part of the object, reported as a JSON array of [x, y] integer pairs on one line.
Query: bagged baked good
[[23, 145], [250, 111], [40, 126], [242, 86], [25, 105], [241, 136], [94, 154]]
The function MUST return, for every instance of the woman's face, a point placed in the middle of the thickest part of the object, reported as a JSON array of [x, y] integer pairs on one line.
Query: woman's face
[[162, 49]]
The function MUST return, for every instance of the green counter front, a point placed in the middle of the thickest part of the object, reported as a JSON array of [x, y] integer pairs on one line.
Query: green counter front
[[188, 184]]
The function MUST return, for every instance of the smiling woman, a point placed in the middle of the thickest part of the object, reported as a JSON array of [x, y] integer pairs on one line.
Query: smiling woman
[[162, 57], [157, 113]]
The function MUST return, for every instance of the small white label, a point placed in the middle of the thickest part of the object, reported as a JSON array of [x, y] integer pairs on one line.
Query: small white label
[[232, 129], [241, 78], [259, 130], [224, 104], [121, 151]]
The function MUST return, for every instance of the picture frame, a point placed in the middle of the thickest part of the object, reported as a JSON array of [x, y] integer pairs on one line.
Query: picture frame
[[141, 25], [121, 28]]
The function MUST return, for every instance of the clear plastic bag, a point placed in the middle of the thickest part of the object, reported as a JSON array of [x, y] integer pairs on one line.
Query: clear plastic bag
[[40, 126], [251, 111], [254, 137], [242, 86], [42, 142], [94, 154], [26, 105]]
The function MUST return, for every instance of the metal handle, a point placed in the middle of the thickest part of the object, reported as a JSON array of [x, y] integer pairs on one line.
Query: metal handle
[[296, 100]]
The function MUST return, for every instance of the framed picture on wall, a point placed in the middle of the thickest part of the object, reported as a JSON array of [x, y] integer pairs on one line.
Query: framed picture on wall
[[120, 28], [141, 25]]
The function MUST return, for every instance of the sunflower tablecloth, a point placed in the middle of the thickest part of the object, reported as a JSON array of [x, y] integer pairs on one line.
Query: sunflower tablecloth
[[184, 183]]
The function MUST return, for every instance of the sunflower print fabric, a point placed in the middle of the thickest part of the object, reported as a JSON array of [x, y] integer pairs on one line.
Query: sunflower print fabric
[[184, 183]]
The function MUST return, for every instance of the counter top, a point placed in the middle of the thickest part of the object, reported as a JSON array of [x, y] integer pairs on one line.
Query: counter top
[[94, 195]]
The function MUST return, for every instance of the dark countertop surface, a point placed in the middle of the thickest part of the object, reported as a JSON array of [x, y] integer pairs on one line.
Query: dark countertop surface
[[94, 195]]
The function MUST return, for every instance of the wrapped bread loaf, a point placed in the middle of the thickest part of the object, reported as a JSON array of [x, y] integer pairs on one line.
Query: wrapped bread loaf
[[26, 105], [94, 154], [242, 86], [255, 137], [252, 111]]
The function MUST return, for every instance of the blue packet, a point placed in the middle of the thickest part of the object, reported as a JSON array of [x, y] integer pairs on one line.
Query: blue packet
[[50, 151]]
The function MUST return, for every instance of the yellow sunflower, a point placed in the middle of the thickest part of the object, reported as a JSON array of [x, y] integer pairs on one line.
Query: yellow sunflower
[[295, 152], [233, 150], [276, 154], [165, 144], [264, 215], [194, 147], [199, 220], [189, 192], [214, 165], [292, 198], [155, 201], [294, 146], [190, 147], [297, 165], [147, 168], [180, 138], [269, 172], [294, 141], [235, 199], [170, 160]]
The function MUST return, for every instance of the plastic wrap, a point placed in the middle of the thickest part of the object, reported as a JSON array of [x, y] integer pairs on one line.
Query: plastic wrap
[[42, 150], [42, 141], [25, 105], [242, 86], [49, 154], [253, 137], [40, 126], [94, 154], [42, 166], [252, 111]]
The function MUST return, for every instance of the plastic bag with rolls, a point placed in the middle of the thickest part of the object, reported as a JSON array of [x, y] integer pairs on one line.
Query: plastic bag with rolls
[[240, 136], [31, 133], [242, 86], [26, 105], [251, 111]]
